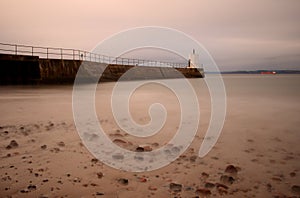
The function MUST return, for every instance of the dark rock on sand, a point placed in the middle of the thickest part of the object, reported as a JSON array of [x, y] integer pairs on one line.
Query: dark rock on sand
[[209, 185], [55, 150], [225, 179], [222, 191], [152, 188], [296, 189], [269, 187], [140, 149], [193, 158], [31, 187], [292, 174], [12, 144], [24, 191], [188, 188], [61, 144], [203, 192], [231, 169], [94, 160], [276, 179], [123, 181], [221, 185], [143, 149], [77, 180], [142, 179], [119, 141], [99, 193], [99, 175], [175, 187], [44, 147], [204, 175]]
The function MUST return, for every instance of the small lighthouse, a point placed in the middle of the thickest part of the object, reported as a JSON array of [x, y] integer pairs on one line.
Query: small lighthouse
[[194, 60]]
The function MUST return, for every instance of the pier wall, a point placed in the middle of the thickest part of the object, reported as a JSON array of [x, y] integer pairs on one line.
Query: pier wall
[[18, 69]]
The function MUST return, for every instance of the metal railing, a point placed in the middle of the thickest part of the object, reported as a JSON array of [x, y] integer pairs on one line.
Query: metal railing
[[73, 54]]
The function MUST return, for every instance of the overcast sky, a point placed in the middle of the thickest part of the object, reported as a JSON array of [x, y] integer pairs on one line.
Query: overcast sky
[[239, 34]]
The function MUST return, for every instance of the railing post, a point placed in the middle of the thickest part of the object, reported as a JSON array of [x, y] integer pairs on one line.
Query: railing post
[[47, 52], [61, 53], [32, 50], [16, 49], [73, 54]]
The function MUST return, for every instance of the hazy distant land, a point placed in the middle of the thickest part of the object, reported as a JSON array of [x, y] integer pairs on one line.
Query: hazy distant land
[[257, 72]]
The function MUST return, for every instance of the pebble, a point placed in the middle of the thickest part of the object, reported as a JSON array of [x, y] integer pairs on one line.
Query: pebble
[[227, 179], [99, 175], [209, 185], [12, 144], [292, 174], [123, 181], [193, 158], [231, 169], [203, 192], [143, 179], [296, 189], [61, 144], [276, 179], [44, 147], [24, 191], [221, 185], [222, 191], [77, 180], [175, 187], [94, 160], [153, 188], [140, 149], [119, 141], [31, 187], [189, 188], [204, 175], [269, 187]]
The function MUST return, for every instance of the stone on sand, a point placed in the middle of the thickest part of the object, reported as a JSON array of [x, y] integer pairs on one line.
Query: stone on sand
[[203, 192], [12, 144], [175, 187], [225, 179], [123, 181], [296, 189], [231, 169]]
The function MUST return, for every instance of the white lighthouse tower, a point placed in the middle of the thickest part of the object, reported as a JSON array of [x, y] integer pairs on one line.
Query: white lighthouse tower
[[194, 60]]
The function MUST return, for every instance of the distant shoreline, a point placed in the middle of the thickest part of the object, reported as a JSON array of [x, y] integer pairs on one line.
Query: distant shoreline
[[263, 72]]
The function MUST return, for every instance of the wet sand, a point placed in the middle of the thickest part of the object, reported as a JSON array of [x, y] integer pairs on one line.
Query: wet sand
[[257, 154]]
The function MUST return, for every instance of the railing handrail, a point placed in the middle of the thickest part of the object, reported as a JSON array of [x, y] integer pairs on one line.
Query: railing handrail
[[81, 55]]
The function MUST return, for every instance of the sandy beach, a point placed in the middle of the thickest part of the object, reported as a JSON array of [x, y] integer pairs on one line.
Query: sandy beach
[[257, 154]]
